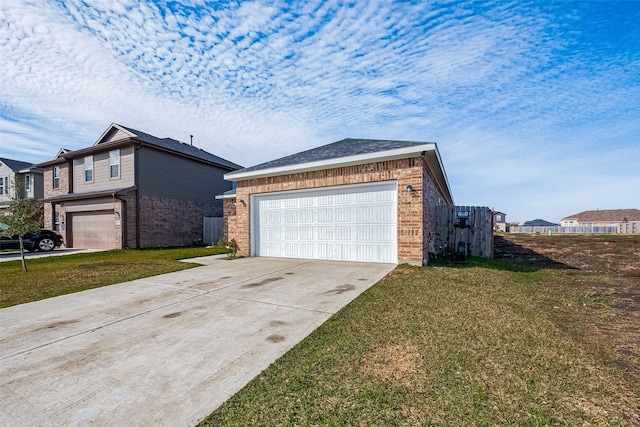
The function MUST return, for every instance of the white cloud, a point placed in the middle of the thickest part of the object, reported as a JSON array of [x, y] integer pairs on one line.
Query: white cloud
[[516, 99]]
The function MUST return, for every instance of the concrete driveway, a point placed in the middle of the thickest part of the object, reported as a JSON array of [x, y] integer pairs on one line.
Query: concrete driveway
[[165, 350]]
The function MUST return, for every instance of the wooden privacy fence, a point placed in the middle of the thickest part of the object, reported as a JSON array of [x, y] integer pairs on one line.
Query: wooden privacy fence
[[563, 230], [212, 230], [478, 235]]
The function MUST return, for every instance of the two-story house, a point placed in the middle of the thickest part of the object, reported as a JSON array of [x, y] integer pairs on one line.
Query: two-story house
[[626, 221], [500, 221], [19, 180], [132, 189]]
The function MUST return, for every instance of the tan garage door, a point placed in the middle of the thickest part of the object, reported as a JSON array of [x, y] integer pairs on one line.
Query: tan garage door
[[93, 230]]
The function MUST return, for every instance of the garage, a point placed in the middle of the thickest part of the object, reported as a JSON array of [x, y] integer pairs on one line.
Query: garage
[[93, 230], [341, 223]]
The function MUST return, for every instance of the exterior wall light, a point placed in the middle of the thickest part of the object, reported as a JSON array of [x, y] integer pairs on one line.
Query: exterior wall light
[[409, 188]]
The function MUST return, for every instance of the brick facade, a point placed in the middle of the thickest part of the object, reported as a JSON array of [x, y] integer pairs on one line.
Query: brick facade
[[229, 211], [416, 209], [172, 222], [49, 191]]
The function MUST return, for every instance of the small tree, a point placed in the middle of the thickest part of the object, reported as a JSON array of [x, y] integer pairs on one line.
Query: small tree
[[21, 217]]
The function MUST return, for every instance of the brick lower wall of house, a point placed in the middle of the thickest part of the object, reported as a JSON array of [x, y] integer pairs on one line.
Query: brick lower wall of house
[[172, 222], [412, 220], [125, 212], [431, 199], [229, 211]]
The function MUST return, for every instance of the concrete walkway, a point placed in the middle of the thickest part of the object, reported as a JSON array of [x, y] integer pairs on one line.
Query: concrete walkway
[[15, 255], [165, 350]]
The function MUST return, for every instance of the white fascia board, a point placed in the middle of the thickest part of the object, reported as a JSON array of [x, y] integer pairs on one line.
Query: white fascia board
[[444, 174], [380, 156], [225, 196]]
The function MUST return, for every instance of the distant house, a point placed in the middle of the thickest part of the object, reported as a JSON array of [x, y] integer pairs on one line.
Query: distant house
[[19, 180], [539, 223], [500, 221], [132, 189], [625, 220]]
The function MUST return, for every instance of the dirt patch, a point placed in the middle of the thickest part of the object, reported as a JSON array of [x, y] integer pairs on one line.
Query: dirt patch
[[172, 315], [596, 286], [57, 325], [339, 290], [619, 254], [261, 283], [393, 363], [275, 338]]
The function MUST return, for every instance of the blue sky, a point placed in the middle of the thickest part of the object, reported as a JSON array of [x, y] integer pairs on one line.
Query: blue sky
[[535, 106]]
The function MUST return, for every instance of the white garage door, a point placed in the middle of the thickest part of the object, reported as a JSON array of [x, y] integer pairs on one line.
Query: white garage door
[[93, 230], [346, 223]]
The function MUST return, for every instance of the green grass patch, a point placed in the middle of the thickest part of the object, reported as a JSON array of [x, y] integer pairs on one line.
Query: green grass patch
[[442, 345], [59, 275]]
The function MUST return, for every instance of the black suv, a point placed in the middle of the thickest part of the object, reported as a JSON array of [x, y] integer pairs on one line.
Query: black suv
[[43, 240]]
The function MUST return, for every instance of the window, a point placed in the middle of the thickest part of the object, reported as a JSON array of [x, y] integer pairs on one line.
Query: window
[[56, 220], [114, 164], [4, 185], [498, 218], [56, 177], [88, 169], [27, 183]]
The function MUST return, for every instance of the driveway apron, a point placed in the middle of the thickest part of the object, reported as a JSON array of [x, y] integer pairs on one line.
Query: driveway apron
[[165, 350]]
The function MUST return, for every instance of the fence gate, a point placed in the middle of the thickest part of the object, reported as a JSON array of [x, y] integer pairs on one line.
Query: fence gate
[[478, 233], [212, 230]]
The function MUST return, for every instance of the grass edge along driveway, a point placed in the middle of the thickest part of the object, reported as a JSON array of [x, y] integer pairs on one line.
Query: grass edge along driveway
[[53, 276], [440, 346]]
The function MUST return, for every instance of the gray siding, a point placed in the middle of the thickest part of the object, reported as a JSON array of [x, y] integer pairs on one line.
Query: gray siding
[[38, 186], [101, 180], [166, 175]]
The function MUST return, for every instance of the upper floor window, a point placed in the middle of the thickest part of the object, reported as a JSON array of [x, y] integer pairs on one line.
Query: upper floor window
[[27, 183], [88, 169], [499, 218], [114, 164], [56, 177]]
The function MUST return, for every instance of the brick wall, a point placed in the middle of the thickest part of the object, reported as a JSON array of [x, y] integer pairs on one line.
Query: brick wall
[[228, 211], [49, 191], [172, 222], [415, 221]]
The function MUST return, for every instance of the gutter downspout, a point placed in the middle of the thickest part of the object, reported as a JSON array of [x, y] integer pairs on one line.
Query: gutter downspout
[[136, 179]]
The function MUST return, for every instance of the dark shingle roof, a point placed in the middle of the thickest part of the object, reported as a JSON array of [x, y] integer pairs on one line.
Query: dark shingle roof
[[607, 215], [180, 147], [539, 223], [16, 165], [344, 148]]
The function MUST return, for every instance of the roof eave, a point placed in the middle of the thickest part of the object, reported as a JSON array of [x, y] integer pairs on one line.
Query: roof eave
[[434, 162], [358, 159], [94, 195]]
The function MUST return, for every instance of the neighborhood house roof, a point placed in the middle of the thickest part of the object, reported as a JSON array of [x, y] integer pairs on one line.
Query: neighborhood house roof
[[17, 165], [348, 152], [539, 223], [606, 215], [180, 147], [168, 144]]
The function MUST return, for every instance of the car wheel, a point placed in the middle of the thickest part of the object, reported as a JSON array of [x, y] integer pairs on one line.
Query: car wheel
[[45, 244]]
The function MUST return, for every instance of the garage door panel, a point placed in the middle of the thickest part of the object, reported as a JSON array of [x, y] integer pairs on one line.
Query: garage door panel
[[93, 230], [357, 223]]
